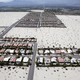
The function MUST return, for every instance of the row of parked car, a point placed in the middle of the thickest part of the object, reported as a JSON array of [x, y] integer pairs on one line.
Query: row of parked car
[[57, 61], [15, 60], [48, 51]]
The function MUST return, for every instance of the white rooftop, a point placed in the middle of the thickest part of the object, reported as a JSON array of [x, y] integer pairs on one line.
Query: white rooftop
[[73, 60], [37, 10], [69, 51], [46, 51], [40, 59], [53, 59], [6, 58], [19, 59], [52, 51], [25, 59]]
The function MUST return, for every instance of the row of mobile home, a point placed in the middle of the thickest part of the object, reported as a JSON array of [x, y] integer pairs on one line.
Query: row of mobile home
[[57, 61], [15, 60]]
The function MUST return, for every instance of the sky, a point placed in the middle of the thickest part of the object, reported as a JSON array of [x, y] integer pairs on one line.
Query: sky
[[6, 0], [68, 2], [73, 1]]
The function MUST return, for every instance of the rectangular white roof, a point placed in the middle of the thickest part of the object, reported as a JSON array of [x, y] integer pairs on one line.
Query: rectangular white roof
[[19, 59], [25, 59], [7, 58]]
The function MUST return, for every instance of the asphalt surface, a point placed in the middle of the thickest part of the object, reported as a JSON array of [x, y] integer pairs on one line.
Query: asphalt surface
[[32, 67]]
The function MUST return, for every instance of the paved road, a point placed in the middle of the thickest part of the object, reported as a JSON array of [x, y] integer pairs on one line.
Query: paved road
[[9, 28], [31, 69], [4, 26], [40, 21]]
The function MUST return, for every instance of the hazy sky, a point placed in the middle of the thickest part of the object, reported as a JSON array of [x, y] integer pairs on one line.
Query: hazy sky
[[47, 1], [5, 0]]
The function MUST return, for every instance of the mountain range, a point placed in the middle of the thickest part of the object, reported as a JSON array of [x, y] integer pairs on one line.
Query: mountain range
[[25, 3]]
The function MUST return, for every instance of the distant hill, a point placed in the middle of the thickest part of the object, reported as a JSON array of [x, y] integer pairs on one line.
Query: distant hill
[[18, 3], [25, 3]]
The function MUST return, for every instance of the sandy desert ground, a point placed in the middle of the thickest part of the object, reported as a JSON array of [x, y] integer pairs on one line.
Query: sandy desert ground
[[1, 29], [64, 37], [8, 18], [13, 73], [57, 73]]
